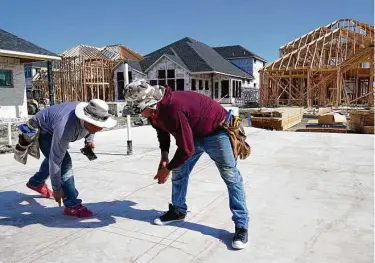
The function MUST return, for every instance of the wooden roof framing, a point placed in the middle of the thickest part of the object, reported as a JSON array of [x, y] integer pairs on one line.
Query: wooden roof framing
[[329, 65]]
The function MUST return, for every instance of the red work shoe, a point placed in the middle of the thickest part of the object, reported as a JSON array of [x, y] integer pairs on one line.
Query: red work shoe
[[78, 211], [42, 189]]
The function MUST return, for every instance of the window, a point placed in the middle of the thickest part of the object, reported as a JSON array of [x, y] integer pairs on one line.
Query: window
[[239, 90], [225, 88], [28, 72], [172, 84], [153, 82], [120, 85], [200, 84], [234, 88], [161, 74], [180, 84], [170, 73], [206, 86], [255, 85], [193, 84], [162, 82], [6, 79], [130, 76], [255, 60]]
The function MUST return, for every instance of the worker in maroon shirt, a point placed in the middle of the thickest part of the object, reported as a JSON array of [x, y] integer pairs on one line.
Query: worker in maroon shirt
[[195, 122]]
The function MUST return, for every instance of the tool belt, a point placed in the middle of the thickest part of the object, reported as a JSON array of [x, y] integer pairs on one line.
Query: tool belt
[[237, 136], [28, 142]]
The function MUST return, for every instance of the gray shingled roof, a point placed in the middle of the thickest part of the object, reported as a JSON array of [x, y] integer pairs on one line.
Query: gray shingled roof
[[231, 52], [195, 56], [135, 65], [11, 42]]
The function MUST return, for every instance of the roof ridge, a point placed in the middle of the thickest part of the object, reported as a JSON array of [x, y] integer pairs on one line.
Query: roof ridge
[[200, 55], [171, 44]]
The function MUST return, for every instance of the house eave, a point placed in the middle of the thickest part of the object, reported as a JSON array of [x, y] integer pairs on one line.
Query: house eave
[[24, 55], [239, 57], [222, 73]]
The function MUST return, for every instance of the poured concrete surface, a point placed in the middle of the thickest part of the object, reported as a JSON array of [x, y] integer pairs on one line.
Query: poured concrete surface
[[310, 197]]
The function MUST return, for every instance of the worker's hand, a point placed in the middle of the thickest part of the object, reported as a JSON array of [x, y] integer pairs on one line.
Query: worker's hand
[[58, 195], [162, 175], [90, 144], [164, 160]]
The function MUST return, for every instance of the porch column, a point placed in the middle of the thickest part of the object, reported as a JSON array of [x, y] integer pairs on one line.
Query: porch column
[[230, 97], [126, 74]]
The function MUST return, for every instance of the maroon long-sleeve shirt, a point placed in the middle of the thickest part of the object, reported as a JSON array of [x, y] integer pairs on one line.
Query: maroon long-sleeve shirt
[[186, 115]]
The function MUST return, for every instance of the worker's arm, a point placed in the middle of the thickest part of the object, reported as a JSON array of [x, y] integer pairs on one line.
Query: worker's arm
[[181, 130], [90, 138], [164, 138], [60, 142]]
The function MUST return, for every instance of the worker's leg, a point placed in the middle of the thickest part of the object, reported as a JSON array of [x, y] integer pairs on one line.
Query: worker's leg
[[68, 185], [219, 148], [180, 179], [41, 176]]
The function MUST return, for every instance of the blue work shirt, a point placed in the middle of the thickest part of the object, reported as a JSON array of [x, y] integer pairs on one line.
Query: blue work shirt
[[62, 123]]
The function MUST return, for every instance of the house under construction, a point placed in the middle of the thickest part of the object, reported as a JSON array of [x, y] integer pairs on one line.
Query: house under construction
[[85, 73], [332, 65]]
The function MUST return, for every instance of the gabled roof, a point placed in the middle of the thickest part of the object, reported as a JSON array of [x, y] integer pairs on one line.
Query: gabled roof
[[195, 56], [121, 52], [135, 65], [18, 46], [83, 51], [114, 52], [237, 51]]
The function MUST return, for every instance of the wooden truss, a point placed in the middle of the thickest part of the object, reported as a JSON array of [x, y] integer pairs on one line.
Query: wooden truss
[[79, 79], [332, 65]]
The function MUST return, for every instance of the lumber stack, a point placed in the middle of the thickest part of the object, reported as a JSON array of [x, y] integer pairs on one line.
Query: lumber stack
[[331, 122], [276, 119], [362, 121]]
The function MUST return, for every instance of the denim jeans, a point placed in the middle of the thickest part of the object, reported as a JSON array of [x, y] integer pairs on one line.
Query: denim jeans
[[67, 178], [219, 148]]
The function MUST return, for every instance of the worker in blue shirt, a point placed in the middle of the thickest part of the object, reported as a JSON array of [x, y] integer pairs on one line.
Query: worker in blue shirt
[[59, 125]]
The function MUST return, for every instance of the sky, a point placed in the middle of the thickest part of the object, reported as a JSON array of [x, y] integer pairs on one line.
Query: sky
[[261, 26]]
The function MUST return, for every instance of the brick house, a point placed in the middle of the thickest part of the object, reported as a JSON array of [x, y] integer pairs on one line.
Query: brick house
[[14, 53]]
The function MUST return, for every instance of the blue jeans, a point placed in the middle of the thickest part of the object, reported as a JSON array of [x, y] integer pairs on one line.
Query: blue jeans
[[219, 148], [67, 178]]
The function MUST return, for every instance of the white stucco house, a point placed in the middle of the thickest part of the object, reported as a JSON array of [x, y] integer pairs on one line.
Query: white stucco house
[[186, 64], [14, 53]]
